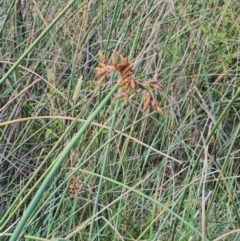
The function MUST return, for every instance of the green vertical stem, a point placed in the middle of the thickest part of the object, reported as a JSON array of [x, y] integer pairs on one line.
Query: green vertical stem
[[7, 16], [182, 197], [105, 161], [60, 159], [30, 48]]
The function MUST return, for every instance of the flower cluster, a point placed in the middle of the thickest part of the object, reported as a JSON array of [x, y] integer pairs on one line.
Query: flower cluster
[[128, 82]]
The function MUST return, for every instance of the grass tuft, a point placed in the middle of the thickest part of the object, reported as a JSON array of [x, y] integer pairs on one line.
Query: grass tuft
[[76, 163]]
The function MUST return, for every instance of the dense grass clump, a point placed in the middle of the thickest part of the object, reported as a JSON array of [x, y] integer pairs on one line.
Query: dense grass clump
[[119, 120]]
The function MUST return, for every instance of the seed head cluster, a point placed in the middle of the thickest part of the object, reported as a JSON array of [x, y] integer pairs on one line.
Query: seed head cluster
[[128, 83]]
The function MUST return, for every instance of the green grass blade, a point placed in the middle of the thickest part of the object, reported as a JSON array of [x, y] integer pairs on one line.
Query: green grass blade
[[30, 48], [57, 165]]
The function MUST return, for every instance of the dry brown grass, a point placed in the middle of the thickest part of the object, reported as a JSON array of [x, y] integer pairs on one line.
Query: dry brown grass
[[128, 83]]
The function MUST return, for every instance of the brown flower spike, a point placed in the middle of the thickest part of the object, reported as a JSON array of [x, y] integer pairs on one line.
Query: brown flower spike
[[128, 83]]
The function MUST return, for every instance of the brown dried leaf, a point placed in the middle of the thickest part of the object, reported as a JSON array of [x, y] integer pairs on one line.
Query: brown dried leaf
[[122, 67], [100, 71], [126, 99], [115, 66], [127, 71], [119, 96], [122, 95], [158, 110], [134, 85], [125, 61], [124, 82], [155, 85], [103, 65], [110, 68], [146, 101], [102, 80], [126, 86]]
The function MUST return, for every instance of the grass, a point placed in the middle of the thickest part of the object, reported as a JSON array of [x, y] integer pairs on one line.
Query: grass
[[77, 164]]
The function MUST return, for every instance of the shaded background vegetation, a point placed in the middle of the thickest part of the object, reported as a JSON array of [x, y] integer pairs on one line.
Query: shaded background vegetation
[[193, 47]]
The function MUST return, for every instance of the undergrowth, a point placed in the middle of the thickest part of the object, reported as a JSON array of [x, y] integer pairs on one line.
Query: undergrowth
[[119, 120]]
